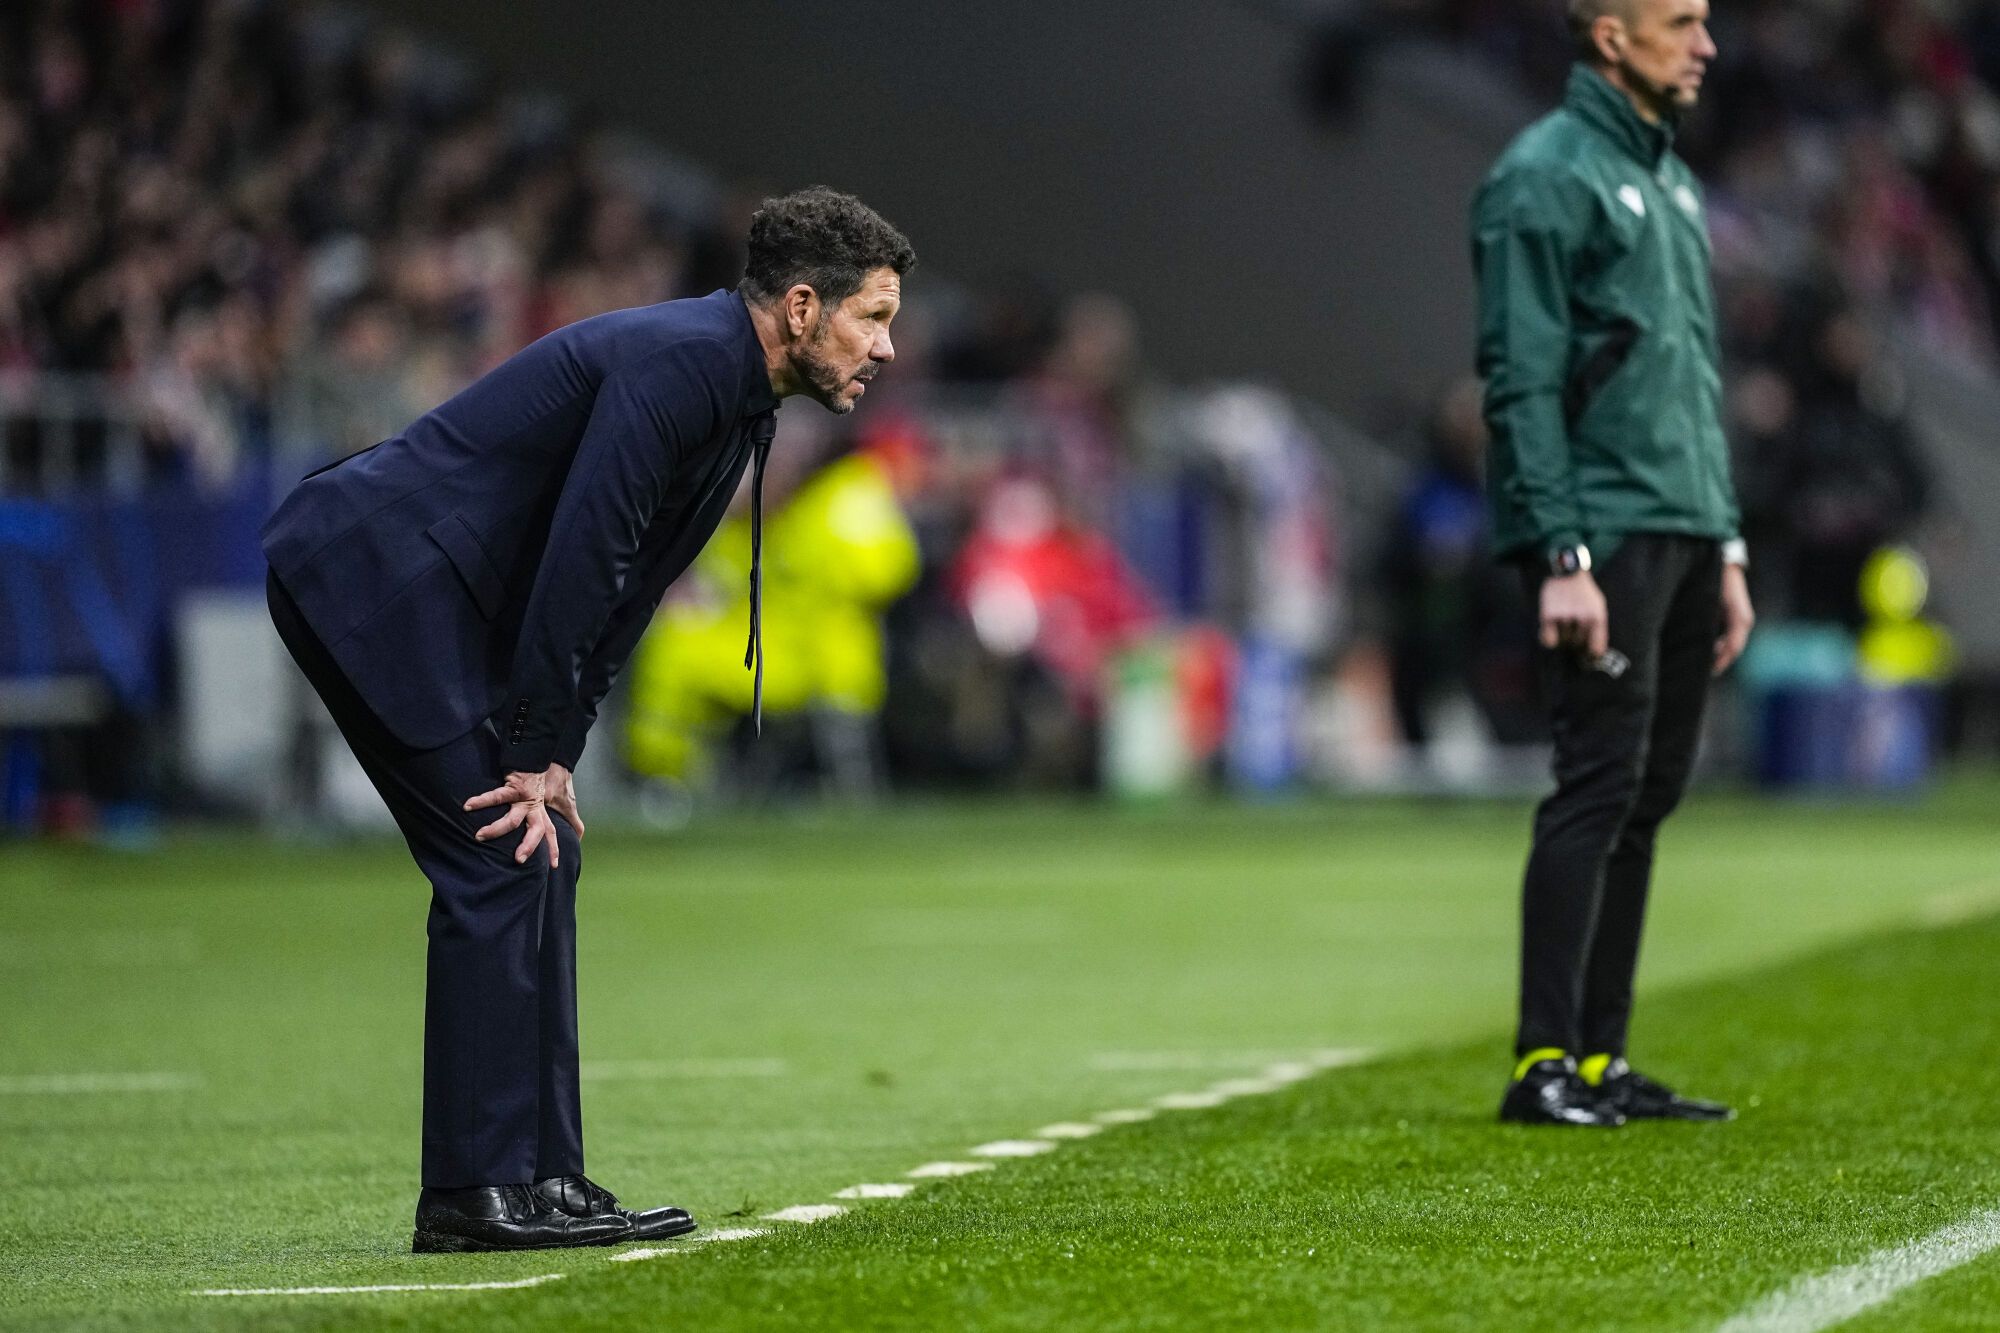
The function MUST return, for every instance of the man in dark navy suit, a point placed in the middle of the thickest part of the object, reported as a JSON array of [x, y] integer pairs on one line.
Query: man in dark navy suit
[[462, 597]]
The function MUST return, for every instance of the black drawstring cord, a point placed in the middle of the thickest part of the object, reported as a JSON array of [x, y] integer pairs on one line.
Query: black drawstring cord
[[753, 655]]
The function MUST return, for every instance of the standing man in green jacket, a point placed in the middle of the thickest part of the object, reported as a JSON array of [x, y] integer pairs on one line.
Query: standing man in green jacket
[[1609, 481]]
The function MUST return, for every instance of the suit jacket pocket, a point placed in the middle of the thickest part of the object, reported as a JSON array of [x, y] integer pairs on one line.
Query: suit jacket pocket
[[461, 546]]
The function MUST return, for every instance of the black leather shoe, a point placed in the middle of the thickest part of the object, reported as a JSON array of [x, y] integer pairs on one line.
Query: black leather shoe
[[1550, 1093], [505, 1217], [1636, 1097], [580, 1196]]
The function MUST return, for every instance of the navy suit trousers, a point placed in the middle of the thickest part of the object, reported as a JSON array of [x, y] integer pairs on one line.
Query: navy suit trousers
[[501, 1101]]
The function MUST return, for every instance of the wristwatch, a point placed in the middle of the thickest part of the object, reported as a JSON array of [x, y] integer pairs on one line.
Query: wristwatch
[[1736, 551], [1567, 560]]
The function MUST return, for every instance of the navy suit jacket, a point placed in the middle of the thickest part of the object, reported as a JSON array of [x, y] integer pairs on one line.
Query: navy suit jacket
[[503, 555]]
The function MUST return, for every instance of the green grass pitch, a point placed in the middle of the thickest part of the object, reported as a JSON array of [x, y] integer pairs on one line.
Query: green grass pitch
[[780, 1007]]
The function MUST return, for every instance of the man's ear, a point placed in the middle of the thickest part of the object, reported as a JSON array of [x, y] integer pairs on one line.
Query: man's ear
[[1607, 34], [801, 309]]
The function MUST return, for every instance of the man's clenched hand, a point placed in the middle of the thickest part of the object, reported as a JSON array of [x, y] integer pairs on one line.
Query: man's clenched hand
[[1573, 615]]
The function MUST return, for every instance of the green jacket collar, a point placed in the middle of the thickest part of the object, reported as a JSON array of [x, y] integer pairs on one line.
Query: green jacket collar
[[1608, 111]]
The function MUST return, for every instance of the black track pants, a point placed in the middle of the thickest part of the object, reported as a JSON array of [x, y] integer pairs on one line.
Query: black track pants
[[1624, 745]]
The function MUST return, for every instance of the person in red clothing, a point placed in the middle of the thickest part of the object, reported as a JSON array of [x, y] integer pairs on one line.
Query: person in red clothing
[[1034, 582]]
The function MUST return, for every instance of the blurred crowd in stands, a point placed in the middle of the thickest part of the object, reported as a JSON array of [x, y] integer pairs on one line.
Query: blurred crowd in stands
[[265, 233], [222, 204], [1850, 154], [1852, 143]]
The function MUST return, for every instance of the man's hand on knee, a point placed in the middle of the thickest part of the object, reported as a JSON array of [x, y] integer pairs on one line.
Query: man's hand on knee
[[562, 797], [1573, 615], [526, 797]]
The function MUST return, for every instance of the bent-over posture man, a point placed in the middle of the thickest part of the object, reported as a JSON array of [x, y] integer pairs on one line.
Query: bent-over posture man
[[462, 596], [1609, 481]]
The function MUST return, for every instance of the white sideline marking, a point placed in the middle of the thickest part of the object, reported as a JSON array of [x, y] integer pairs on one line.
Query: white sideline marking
[[1130, 1115], [647, 1252], [1276, 1075], [1825, 1299], [891, 1191], [937, 1170], [609, 1071], [1068, 1129], [412, 1286], [806, 1212], [29, 1084], [1013, 1148]]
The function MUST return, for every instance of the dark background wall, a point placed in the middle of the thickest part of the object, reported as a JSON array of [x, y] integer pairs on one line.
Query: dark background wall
[[1157, 149]]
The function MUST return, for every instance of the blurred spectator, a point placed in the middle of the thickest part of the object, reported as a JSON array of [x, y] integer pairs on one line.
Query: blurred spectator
[[355, 388], [1832, 473], [839, 551], [1455, 618], [1035, 581]]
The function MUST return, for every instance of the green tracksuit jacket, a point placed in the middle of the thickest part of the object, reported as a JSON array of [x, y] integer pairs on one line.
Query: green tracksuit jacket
[[1597, 333]]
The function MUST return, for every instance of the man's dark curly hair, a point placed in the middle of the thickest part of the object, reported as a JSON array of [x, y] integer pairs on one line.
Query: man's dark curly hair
[[828, 240]]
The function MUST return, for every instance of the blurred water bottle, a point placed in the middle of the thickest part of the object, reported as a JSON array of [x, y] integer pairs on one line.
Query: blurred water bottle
[[1263, 751], [1145, 753]]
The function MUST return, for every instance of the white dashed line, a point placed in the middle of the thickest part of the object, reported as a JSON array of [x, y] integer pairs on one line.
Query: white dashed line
[[895, 1190], [1130, 1115], [1276, 1075], [34, 1084], [1068, 1129], [940, 1170], [1013, 1148], [365, 1291], [1826, 1299], [806, 1212], [1876, 1279], [1289, 1071], [647, 1252], [1190, 1101]]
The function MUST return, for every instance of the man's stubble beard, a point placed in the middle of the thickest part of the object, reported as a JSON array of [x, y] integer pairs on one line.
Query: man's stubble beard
[[822, 377], [1668, 101]]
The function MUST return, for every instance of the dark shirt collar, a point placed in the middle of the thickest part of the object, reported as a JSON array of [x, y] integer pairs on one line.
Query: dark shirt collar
[[1592, 97], [760, 397]]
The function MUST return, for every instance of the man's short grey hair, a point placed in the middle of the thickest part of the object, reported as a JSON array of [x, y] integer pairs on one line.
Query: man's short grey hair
[[1585, 13]]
